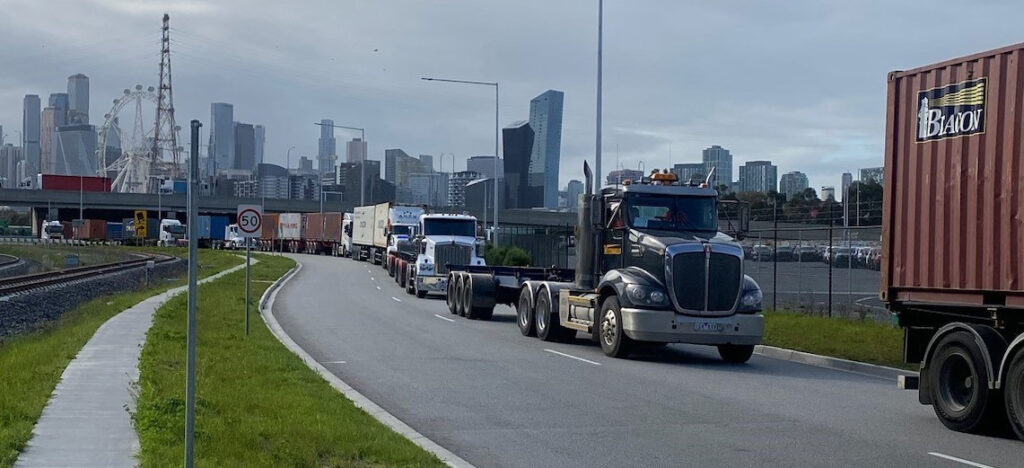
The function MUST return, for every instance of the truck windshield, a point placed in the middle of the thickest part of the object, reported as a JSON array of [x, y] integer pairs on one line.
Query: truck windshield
[[449, 227], [400, 230], [55, 229], [671, 213], [175, 229]]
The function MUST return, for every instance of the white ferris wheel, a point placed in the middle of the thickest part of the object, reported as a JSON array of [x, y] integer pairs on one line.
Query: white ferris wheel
[[146, 147]]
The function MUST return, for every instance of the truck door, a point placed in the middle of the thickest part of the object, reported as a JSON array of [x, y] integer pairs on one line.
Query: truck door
[[613, 241]]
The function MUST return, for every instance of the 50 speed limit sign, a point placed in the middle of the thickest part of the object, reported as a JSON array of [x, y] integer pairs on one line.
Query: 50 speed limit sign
[[250, 220]]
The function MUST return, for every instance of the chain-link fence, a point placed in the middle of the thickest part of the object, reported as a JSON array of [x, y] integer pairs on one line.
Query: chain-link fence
[[547, 245], [827, 271]]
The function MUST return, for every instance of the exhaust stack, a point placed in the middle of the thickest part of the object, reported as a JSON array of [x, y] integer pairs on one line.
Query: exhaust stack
[[585, 253]]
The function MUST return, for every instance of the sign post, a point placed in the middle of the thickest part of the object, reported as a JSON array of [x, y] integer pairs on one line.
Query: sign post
[[250, 224]]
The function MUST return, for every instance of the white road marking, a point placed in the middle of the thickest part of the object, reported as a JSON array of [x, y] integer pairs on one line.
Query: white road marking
[[958, 460], [373, 279], [378, 288], [572, 357], [443, 318], [333, 362], [396, 299]]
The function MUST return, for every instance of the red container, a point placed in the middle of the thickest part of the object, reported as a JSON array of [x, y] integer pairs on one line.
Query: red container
[[332, 226], [92, 229], [269, 227], [84, 183], [323, 227], [69, 229], [953, 230], [314, 226]]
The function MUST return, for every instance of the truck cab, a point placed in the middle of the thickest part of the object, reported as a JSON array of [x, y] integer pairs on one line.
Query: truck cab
[[52, 230], [346, 235], [172, 233], [442, 240], [401, 222]]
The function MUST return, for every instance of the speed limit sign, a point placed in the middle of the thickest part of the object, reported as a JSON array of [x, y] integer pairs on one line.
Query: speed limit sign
[[250, 220]]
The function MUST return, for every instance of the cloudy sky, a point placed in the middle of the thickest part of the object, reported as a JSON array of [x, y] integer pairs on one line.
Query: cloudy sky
[[799, 82]]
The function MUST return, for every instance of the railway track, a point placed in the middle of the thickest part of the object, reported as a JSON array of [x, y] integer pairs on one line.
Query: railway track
[[16, 284]]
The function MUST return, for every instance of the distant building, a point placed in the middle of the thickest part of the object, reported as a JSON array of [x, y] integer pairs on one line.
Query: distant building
[[75, 150], [429, 188], [517, 145], [261, 141], [792, 183], [427, 162], [10, 156], [618, 176], [827, 192], [687, 172], [758, 176], [546, 122], [245, 147], [327, 147], [375, 186], [572, 194], [872, 173], [271, 181], [485, 166], [355, 150], [719, 159], [78, 100], [222, 137], [30, 122], [305, 164], [479, 197], [457, 187], [846, 182], [399, 165]]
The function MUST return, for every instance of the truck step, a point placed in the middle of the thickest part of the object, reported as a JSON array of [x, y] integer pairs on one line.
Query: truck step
[[908, 382]]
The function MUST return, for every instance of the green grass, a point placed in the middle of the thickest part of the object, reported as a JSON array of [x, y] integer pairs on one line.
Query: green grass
[[860, 340], [31, 364], [257, 403]]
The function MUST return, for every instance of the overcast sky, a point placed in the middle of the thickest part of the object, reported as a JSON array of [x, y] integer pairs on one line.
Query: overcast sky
[[801, 83]]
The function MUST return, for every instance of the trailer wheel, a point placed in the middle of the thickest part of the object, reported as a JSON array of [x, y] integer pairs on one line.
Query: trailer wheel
[[548, 328], [958, 383], [736, 354], [1013, 393], [400, 277], [449, 294], [524, 313], [480, 289], [410, 279], [614, 341], [460, 287]]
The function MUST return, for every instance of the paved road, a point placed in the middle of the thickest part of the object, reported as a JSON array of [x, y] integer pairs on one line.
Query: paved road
[[497, 398]]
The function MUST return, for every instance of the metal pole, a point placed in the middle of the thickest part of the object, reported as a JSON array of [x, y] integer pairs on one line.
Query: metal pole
[[362, 170], [190, 359], [831, 259], [597, 151], [80, 208], [248, 258], [800, 268], [775, 255], [495, 221]]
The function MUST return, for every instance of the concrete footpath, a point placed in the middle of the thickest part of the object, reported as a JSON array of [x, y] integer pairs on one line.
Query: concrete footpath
[[87, 421]]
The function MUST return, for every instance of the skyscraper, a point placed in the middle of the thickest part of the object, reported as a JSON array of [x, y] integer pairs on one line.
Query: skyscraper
[[572, 194], [222, 137], [245, 147], [355, 150], [78, 99], [10, 155], [517, 143], [30, 122], [720, 160], [485, 166], [261, 141], [327, 147], [75, 150], [398, 166], [758, 176], [689, 172], [828, 192], [457, 187], [793, 183], [427, 162], [847, 181], [546, 122]]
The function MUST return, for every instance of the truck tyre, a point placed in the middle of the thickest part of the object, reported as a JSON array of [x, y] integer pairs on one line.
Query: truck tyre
[[449, 294], [481, 291], [736, 354], [459, 295], [401, 278], [410, 279], [958, 383], [524, 313], [391, 267], [467, 296], [614, 341], [1013, 393], [546, 319]]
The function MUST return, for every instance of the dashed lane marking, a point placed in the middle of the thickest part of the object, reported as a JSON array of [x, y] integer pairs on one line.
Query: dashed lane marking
[[443, 318], [396, 299], [333, 362], [588, 361], [958, 460]]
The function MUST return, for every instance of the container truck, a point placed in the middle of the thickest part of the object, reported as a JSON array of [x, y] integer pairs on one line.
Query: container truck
[[373, 226], [652, 266], [210, 230], [402, 220], [346, 235], [90, 229], [323, 234], [172, 233], [438, 240], [52, 230], [953, 234]]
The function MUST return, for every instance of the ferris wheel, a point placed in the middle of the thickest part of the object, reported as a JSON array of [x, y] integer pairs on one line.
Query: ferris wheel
[[141, 151]]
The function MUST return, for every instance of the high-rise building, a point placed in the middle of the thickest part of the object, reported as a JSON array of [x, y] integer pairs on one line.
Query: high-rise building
[[355, 150], [326, 147], [30, 134], [689, 172], [720, 160], [827, 192], [261, 141], [245, 147], [399, 165], [793, 183], [75, 150], [572, 194], [48, 122], [78, 99], [10, 156], [427, 162], [846, 182], [617, 176], [457, 187], [479, 198], [872, 173], [305, 164], [429, 188], [517, 145], [485, 166], [222, 137], [376, 188], [758, 176], [546, 122]]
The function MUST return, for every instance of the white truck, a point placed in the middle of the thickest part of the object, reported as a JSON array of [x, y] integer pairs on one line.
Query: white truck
[[233, 238], [441, 240], [402, 222], [346, 235], [373, 226], [172, 233], [52, 230], [364, 223]]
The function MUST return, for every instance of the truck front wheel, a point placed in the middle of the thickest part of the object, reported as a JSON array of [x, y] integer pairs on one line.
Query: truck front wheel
[[958, 382], [736, 354], [450, 294], [614, 341], [1013, 394]]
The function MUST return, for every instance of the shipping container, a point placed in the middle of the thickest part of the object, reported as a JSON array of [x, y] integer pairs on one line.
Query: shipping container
[[269, 227], [69, 229], [218, 224], [180, 186], [115, 231], [289, 226], [314, 226], [91, 229], [332, 226], [202, 227], [76, 183]]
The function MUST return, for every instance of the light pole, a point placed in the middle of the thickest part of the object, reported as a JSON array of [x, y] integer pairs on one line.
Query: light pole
[[362, 163], [600, 35], [287, 173], [496, 107]]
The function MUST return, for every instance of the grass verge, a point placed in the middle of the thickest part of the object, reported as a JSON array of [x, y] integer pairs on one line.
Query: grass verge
[[861, 340], [31, 364], [257, 404]]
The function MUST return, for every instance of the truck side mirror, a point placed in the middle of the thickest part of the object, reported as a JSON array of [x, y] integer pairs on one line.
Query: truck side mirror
[[744, 219]]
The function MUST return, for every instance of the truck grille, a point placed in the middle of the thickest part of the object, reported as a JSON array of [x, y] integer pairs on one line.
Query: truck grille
[[690, 280], [451, 254]]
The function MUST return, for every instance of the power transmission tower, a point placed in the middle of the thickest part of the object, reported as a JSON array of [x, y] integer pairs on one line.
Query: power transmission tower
[[166, 131]]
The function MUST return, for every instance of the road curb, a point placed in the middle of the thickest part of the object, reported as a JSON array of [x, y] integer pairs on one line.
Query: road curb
[[828, 362], [360, 401]]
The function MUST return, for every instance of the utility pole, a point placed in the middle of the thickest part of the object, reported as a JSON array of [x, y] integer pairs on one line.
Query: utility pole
[[831, 258], [193, 258], [775, 254], [600, 39]]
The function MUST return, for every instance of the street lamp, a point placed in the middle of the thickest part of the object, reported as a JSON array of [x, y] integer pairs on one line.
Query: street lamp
[[600, 35], [495, 84], [362, 163]]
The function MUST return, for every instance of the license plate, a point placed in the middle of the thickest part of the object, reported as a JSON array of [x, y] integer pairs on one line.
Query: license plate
[[707, 327]]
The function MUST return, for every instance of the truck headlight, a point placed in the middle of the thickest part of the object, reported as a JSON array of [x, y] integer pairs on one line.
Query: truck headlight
[[647, 295], [750, 299]]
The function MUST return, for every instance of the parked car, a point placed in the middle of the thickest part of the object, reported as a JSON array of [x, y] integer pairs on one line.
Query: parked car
[[841, 256], [761, 253], [785, 254], [807, 253]]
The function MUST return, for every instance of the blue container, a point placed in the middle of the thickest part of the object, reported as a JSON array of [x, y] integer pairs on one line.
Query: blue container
[[180, 186], [217, 226], [115, 231]]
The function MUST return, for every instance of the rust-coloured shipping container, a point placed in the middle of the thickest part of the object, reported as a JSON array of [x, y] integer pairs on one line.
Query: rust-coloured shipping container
[[69, 229], [323, 227], [269, 227], [91, 229], [64, 182], [314, 226], [332, 226], [953, 231]]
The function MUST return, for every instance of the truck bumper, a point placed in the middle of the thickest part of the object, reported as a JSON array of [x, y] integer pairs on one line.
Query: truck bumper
[[432, 283], [666, 326]]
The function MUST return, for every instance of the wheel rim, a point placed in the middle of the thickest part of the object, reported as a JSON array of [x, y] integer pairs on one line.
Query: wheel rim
[[958, 385], [542, 315], [609, 328], [524, 317], [1015, 391], [467, 295]]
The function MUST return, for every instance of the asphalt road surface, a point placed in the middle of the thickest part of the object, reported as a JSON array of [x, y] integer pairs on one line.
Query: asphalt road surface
[[497, 398]]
